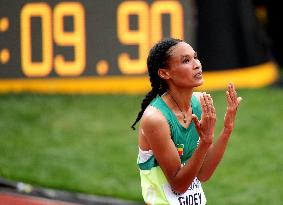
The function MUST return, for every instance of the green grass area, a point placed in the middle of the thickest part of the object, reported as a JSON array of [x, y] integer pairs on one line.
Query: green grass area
[[84, 143]]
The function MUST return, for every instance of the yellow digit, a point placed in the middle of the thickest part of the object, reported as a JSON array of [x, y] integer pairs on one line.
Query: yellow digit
[[75, 38], [43, 68], [175, 9], [138, 37]]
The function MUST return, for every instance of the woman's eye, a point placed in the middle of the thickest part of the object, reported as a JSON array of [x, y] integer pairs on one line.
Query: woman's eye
[[186, 60], [196, 56]]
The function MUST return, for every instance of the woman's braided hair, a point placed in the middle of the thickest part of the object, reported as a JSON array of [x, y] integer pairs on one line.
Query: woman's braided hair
[[157, 58]]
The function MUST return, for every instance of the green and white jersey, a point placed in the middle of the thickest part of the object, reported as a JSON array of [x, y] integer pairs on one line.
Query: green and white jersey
[[155, 188]]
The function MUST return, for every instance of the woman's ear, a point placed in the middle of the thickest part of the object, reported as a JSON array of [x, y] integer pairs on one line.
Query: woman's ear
[[163, 73]]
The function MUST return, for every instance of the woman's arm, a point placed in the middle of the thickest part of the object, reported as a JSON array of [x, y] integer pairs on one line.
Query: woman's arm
[[216, 151], [156, 132]]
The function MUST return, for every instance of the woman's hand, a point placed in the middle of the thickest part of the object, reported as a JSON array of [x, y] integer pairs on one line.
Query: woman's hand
[[233, 103], [205, 127]]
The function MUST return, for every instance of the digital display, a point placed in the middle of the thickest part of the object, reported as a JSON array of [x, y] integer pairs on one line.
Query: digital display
[[43, 39], [100, 46]]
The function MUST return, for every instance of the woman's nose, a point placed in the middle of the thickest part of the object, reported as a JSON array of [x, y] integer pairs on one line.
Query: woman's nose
[[197, 63]]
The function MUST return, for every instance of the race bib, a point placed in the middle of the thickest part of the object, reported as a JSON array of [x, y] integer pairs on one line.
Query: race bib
[[193, 196]]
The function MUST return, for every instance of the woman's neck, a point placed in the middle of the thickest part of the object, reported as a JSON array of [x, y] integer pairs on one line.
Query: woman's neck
[[181, 97]]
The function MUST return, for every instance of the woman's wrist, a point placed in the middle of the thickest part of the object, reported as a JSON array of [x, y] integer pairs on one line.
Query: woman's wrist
[[204, 145], [227, 131]]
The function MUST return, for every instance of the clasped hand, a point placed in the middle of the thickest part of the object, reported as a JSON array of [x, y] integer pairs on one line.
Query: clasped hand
[[205, 127], [233, 102]]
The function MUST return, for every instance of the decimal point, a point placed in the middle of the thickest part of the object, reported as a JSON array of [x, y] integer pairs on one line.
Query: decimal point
[[102, 67], [4, 56], [4, 24]]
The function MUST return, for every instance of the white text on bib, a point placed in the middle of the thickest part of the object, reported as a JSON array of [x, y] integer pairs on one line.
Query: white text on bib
[[193, 196]]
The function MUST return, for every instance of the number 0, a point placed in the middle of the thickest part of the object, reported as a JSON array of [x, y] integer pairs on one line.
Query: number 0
[[30, 68], [175, 10]]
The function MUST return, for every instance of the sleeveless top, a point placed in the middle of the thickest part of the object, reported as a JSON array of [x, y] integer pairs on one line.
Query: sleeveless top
[[155, 188]]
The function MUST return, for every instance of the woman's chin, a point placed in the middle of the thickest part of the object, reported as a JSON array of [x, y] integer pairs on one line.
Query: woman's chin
[[199, 82]]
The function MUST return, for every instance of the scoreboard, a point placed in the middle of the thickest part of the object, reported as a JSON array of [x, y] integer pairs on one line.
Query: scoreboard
[[85, 45]]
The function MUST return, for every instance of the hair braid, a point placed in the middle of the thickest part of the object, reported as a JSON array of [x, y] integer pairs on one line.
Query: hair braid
[[148, 98], [157, 58]]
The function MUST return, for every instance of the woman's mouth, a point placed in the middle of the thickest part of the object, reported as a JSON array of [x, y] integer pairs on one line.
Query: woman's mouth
[[198, 75]]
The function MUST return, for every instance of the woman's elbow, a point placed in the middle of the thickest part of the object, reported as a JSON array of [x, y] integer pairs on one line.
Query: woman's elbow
[[180, 190], [203, 178]]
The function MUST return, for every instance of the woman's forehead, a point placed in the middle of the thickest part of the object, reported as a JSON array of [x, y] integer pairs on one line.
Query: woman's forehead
[[182, 49]]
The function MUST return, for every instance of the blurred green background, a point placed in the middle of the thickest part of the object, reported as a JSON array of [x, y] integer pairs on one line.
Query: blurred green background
[[84, 143]]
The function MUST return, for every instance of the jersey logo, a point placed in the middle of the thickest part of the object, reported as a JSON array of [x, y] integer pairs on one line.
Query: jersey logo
[[180, 149]]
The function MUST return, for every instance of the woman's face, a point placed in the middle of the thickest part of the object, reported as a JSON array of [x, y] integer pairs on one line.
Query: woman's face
[[184, 68]]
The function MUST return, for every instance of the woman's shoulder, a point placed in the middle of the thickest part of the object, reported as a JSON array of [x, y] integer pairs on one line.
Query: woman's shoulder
[[196, 103], [197, 95], [152, 116]]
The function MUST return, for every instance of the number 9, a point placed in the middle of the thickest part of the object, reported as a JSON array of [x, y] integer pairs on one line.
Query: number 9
[[74, 38], [133, 37]]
